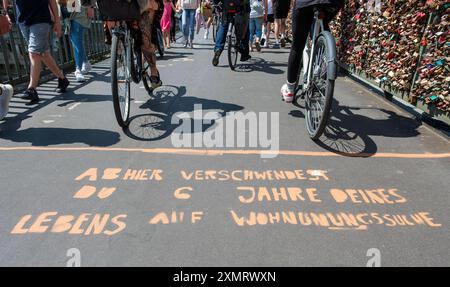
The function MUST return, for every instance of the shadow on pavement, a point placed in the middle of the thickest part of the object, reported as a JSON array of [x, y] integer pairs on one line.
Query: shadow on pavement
[[350, 134], [166, 104], [10, 128], [258, 65]]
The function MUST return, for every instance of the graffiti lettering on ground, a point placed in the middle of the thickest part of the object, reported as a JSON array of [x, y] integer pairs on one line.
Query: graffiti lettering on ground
[[260, 199]]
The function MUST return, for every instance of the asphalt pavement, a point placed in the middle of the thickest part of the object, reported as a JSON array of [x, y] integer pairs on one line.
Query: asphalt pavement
[[177, 188]]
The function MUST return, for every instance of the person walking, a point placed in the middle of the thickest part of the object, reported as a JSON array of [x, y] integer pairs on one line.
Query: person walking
[[77, 25], [258, 12], [6, 91], [166, 22], [281, 11], [173, 23], [36, 19], [189, 8], [268, 21]]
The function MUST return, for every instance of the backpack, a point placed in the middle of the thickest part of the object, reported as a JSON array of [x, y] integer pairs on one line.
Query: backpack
[[232, 6]]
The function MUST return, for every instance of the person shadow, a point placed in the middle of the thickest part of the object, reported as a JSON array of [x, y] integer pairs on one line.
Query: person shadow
[[50, 136], [169, 109], [349, 133]]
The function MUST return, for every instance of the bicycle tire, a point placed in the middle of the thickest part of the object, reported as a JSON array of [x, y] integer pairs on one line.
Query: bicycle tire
[[232, 48], [324, 46], [136, 63], [122, 112]]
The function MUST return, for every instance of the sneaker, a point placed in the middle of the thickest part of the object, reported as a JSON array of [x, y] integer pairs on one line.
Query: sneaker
[[206, 35], [263, 42], [245, 58], [62, 85], [276, 46], [32, 95], [86, 68], [191, 45], [266, 44], [79, 76], [155, 81], [287, 94], [6, 93], [216, 58], [185, 44], [283, 42], [258, 46]]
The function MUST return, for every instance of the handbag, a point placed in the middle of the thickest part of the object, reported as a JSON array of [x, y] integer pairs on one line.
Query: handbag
[[4, 25]]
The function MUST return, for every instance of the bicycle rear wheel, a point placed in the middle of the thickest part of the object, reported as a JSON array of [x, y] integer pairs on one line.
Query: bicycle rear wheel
[[320, 95], [233, 49], [121, 78]]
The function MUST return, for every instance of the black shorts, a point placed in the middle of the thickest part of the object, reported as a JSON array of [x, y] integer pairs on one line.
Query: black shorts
[[270, 18], [281, 8]]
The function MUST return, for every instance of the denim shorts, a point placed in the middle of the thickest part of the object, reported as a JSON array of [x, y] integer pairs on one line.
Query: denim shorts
[[37, 37]]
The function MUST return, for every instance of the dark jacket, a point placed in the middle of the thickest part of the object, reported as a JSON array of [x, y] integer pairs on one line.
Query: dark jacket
[[307, 3]]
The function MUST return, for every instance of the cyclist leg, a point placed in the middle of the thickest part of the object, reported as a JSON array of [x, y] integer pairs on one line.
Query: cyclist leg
[[243, 34], [221, 39], [301, 23], [148, 47]]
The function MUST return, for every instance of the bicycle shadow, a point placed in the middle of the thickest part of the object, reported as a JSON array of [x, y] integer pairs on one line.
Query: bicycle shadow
[[170, 109], [349, 133], [258, 65]]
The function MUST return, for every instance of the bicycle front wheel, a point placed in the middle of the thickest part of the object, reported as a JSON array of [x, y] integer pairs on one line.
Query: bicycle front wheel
[[121, 78], [320, 95], [233, 49]]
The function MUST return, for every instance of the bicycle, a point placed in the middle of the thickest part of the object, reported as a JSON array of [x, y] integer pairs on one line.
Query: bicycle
[[319, 73], [127, 61]]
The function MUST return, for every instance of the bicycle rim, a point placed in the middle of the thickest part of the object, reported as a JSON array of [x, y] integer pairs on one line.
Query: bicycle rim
[[319, 97], [146, 79], [120, 79]]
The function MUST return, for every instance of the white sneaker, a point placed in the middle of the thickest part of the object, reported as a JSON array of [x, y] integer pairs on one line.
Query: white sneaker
[[86, 68], [6, 93], [79, 76], [206, 35], [287, 94]]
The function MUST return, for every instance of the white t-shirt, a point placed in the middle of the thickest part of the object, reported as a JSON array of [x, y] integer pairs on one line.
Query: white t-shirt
[[257, 8]]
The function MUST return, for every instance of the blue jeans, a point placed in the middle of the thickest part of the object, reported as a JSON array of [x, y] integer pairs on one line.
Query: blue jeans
[[255, 28], [188, 24], [222, 35], [77, 39]]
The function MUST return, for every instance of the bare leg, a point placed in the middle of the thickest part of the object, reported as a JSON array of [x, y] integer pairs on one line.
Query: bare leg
[[51, 64], [277, 29], [35, 70], [148, 48]]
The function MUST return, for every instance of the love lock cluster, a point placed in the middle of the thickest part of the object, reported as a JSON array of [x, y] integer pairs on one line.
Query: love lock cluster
[[403, 46]]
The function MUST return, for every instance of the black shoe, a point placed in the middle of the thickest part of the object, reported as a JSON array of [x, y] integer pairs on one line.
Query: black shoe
[[263, 41], [283, 42], [216, 58], [245, 58], [62, 85], [32, 95]]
